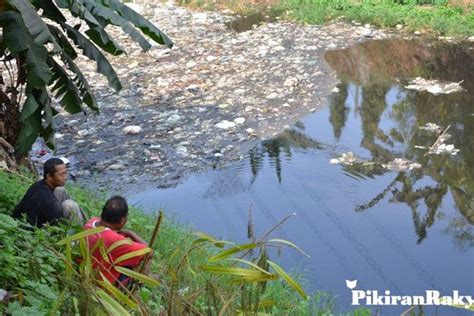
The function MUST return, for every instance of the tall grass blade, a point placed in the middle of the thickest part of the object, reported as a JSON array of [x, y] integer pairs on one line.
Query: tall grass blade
[[117, 294], [126, 241], [229, 252], [103, 252], [244, 274], [80, 235], [111, 305], [202, 237], [138, 276], [69, 262], [132, 254], [288, 279], [289, 243], [250, 264], [470, 308]]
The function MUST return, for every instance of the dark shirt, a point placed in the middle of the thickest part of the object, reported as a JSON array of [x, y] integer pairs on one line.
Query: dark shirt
[[40, 205]]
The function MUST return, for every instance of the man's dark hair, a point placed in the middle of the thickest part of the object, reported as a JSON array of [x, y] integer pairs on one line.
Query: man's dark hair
[[50, 166], [114, 210]]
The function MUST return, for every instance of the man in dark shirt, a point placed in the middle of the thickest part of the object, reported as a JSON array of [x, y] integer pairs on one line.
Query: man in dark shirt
[[47, 201]]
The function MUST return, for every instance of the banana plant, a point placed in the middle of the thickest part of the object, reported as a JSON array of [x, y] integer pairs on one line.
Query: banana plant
[[38, 49]]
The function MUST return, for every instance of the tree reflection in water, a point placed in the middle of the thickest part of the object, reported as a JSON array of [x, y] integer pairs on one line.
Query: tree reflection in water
[[274, 147], [390, 128], [452, 175]]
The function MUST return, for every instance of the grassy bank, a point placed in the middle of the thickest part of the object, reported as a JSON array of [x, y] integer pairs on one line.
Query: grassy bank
[[435, 16], [439, 17], [33, 269]]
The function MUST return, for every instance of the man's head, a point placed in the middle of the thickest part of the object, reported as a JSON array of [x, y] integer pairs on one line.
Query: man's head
[[55, 172], [115, 212]]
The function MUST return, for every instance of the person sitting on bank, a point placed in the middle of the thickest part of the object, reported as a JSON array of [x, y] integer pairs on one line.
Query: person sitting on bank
[[47, 201], [113, 218]]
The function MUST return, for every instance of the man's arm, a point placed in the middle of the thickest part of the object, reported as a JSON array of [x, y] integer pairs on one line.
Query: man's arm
[[49, 207], [17, 212], [132, 235]]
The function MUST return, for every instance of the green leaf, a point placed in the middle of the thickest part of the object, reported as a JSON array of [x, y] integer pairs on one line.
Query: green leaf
[[61, 38], [286, 242], [18, 40], [29, 131], [111, 17], [138, 276], [49, 10], [7, 222], [65, 89], [80, 235], [29, 107], [132, 254], [110, 304], [202, 237], [126, 241], [48, 136], [229, 252], [117, 294], [250, 264], [96, 30], [103, 252], [81, 82], [139, 21], [288, 279], [92, 52], [69, 263], [244, 274], [471, 308], [33, 22]]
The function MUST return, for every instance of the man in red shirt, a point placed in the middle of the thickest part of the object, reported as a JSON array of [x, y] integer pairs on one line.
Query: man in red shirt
[[113, 218]]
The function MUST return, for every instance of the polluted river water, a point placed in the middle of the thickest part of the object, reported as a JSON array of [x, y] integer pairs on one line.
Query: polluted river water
[[405, 226]]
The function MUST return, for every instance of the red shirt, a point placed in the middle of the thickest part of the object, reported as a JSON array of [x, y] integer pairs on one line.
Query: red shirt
[[109, 237]]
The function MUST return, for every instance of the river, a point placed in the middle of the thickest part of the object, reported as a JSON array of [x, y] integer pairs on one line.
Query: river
[[402, 231]]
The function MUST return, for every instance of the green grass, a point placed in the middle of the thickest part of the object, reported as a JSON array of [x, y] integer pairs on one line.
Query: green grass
[[433, 16], [33, 265]]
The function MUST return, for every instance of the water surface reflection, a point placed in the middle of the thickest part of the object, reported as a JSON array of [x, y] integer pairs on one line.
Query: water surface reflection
[[404, 231]]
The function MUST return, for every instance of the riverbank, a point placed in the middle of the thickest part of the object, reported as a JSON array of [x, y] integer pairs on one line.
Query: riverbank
[[32, 266], [441, 18]]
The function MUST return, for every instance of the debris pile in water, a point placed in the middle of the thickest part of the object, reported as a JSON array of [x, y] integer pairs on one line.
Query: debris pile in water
[[401, 164], [434, 86], [439, 146], [398, 164]]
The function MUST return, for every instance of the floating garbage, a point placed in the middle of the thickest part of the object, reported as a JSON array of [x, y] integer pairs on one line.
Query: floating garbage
[[398, 164], [224, 124], [131, 130], [434, 86], [346, 159], [439, 146], [401, 164], [431, 127], [445, 149]]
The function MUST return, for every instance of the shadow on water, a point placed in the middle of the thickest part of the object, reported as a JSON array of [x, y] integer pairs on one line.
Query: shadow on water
[[275, 147]]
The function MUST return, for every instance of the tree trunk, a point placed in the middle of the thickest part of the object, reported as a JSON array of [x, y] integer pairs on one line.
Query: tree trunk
[[10, 123]]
